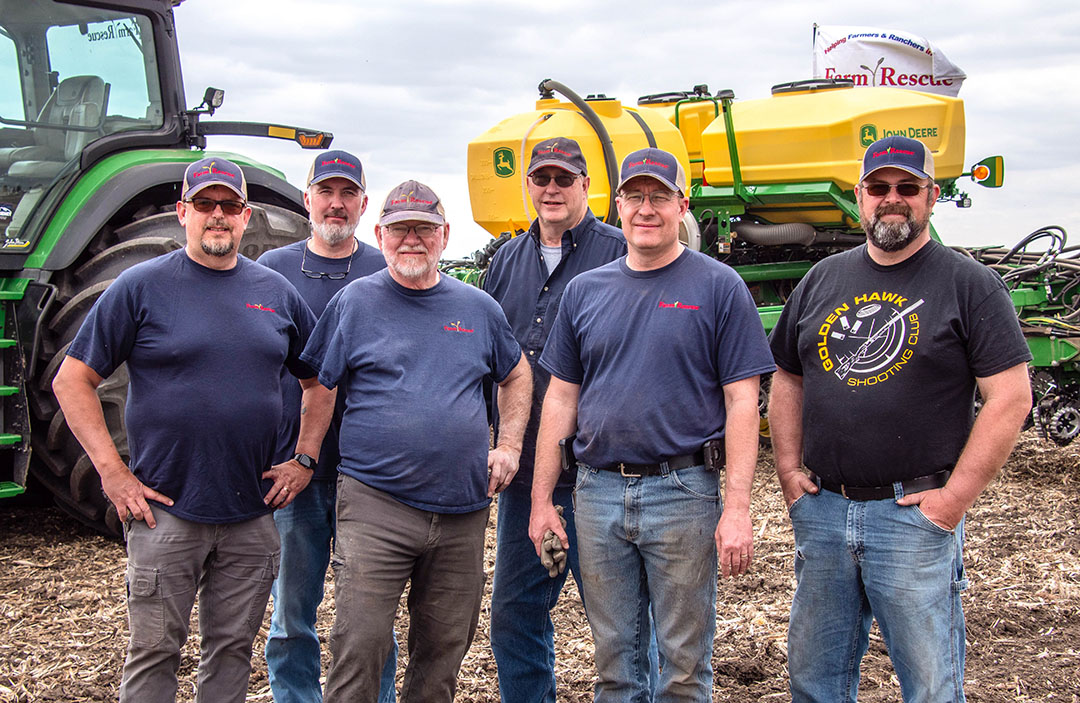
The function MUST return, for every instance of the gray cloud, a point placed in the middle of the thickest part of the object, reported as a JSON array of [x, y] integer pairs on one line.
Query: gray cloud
[[407, 87]]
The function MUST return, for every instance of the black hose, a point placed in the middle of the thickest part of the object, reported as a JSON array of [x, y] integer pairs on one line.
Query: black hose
[[772, 235], [546, 86]]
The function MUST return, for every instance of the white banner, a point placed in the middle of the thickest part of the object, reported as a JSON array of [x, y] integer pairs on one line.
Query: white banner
[[880, 57]]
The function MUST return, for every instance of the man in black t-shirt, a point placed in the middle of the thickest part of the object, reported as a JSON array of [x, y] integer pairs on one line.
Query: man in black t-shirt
[[879, 352]]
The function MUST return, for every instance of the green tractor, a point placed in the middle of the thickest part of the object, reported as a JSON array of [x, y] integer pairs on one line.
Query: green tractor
[[94, 140]]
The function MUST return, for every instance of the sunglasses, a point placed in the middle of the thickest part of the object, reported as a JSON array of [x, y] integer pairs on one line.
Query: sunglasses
[[229, 207], [334, 276], [563, 180], [904, 190]]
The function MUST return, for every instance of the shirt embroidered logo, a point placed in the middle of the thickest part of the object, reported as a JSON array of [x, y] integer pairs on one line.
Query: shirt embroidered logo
[[257, 306], [679, 306], [456, 327]]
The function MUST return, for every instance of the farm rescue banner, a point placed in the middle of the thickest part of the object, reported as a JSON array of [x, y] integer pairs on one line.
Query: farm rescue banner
[[882, 57]]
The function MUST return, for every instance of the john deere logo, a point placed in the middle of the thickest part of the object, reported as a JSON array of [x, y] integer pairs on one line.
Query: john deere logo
[[504, 162], [867, 134]]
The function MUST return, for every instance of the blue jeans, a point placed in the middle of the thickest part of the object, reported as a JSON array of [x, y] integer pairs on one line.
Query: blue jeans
[[645, 542], [856, 561], [306, 527], [522, 634]]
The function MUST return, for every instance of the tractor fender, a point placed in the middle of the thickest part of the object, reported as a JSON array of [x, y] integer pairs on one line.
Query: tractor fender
[[124, 186]]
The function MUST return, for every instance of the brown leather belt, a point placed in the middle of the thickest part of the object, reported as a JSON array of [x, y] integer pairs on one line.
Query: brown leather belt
[[912, 485], [673, 464]]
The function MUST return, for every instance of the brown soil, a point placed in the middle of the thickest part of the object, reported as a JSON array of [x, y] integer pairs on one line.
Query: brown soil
[[63, 625]]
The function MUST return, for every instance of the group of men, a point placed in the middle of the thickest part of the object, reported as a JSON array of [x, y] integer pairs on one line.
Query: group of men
[[327, 407]]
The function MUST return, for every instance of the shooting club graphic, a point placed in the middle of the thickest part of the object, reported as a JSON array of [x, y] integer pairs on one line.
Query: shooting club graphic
[[869, 339]]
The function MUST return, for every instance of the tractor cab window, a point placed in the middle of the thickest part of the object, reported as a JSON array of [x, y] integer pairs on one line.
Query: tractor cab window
[[69, 76], [110, 60], [10, 101]]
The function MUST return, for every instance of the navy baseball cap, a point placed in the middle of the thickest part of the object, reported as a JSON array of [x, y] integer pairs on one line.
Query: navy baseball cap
[[562, 152], [903, 153], [213, 171], [337, 164], [412, 201], [654, 163]]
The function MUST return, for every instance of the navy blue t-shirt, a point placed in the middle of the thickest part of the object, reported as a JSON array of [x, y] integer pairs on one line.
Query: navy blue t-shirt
[[529, 295], [889, 356], [316, 292], [652, 351], [412, 363], [204, 352]]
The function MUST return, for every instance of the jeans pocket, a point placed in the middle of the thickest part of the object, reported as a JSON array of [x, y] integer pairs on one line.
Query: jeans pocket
[[801, 500], [697, 483], [584, 476], [146, 608], [927, 523]]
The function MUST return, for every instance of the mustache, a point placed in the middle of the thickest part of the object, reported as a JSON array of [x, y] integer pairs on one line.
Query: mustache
[[893, 209], [218, 223]]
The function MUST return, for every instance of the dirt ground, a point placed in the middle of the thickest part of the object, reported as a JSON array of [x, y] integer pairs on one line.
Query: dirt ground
[[63, 624]]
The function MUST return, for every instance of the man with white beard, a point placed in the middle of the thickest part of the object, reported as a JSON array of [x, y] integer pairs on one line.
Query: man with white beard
[[411, 348], [318, 268]]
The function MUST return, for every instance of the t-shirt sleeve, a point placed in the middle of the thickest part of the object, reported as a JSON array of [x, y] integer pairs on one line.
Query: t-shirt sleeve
[[326, 348], [107, 335], [742, 349], [304, 320], [995, 340], [505, 350], [784, 339], [562, 353]]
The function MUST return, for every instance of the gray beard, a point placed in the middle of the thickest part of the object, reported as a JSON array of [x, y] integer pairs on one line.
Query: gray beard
[[892, 236], [222, 249], [333, 234]]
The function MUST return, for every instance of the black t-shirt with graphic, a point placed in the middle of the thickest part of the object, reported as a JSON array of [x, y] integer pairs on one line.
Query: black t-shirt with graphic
[[889, 357]]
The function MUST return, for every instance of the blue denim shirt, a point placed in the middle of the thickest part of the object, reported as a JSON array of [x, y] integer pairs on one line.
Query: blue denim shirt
[[519, 280]]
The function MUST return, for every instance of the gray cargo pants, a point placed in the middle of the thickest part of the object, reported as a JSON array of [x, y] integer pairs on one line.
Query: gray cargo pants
[[231, 567], [383, 544]]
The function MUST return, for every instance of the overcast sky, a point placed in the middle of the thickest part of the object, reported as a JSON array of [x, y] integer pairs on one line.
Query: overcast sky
[[406, 86]]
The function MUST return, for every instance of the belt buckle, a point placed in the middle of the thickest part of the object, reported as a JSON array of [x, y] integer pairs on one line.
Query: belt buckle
[[843, 492], [622, 472]]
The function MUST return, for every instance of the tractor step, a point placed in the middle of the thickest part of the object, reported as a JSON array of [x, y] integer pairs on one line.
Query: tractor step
[[10, 490]]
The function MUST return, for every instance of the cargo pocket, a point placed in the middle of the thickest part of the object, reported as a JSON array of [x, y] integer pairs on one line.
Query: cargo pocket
[[146, 610]]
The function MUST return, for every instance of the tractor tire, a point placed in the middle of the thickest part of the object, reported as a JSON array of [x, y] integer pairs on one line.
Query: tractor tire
[[59, 461]]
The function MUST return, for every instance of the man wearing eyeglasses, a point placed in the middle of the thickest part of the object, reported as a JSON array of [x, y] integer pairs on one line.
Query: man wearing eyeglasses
[[527, 277], [411, 348], [204, 334], [880, 351], [654, 363], [336, 197]]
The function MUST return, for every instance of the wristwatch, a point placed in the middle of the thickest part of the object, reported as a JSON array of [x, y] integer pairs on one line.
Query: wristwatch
[[307, 461]]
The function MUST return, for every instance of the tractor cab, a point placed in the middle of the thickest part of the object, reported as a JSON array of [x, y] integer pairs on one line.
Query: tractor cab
[[70, 78]]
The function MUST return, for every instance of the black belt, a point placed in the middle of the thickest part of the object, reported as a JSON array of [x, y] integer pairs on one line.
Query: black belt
[[912, 485], [673, 464]]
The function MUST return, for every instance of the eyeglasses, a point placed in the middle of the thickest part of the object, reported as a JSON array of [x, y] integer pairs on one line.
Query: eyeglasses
[[657, 198], [402, 231], [335, 276], [229, 207], [904, 190], [563, 180]]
